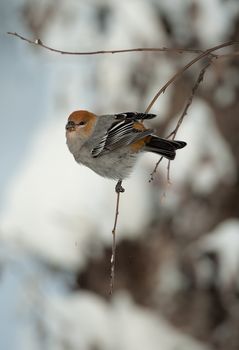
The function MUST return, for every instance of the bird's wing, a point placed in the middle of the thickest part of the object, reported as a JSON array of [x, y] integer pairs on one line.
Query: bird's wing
[[134, 116], [122, 132]]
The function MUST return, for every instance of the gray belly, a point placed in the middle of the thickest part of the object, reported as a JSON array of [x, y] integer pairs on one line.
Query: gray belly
[[114, 166]]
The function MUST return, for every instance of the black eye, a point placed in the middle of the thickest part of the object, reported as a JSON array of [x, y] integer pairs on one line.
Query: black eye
[[81, 123]]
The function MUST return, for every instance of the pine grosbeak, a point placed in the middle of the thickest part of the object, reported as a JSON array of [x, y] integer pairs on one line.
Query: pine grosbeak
[[110, 144]]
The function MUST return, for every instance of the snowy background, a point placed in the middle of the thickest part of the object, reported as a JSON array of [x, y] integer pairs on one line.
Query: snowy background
[[178, 246]]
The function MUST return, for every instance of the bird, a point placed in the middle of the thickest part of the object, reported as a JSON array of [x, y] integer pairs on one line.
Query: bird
[[110, 144]]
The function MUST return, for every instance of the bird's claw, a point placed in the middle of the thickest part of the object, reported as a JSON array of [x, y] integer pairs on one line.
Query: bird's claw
[[119, 188]]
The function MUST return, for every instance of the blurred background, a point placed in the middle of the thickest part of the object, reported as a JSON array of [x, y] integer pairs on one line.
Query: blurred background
[[177, 266]]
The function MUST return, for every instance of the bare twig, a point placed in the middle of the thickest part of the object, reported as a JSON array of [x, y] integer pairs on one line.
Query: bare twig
[[168, 173], [155, 169], [183, 115], [179, 50], [199, 80], [196, 59], [190, 99], [38, 42], [188, 104], [113, 254]]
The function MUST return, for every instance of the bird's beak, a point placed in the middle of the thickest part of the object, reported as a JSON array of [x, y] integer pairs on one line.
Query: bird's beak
[[70, 126]]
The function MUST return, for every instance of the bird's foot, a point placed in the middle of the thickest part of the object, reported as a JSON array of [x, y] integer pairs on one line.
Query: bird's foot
[[119, 188]]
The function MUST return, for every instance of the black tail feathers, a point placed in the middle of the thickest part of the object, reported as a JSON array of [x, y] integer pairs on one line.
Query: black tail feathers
[[163, 147]]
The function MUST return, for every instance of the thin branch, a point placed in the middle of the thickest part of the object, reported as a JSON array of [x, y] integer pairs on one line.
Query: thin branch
[[155, 169], [185, 111], [38, 42], [201, 55], [183, 115], [190, 99], [176, 75], [168, 173], [179, 50], [113, 254]]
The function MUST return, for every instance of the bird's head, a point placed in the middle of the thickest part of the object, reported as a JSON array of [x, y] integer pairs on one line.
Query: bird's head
[[80, 124]]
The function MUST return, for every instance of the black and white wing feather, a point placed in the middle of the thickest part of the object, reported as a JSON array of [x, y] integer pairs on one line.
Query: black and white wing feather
[[134, 116], [121, 133]]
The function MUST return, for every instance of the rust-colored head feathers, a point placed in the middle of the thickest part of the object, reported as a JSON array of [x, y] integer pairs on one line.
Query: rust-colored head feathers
[[81, 122], [82, 115]]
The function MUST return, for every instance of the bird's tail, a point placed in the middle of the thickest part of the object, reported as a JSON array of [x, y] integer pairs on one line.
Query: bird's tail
[[163, 147]]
